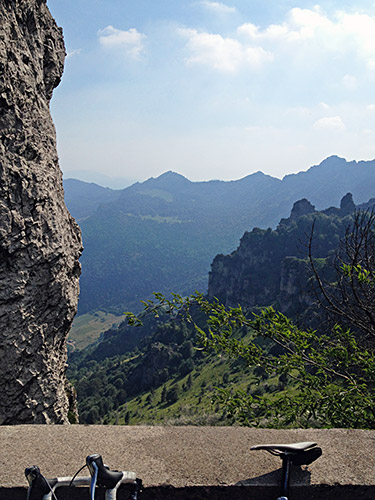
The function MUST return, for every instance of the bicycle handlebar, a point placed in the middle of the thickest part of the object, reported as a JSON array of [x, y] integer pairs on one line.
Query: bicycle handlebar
[[103, 477], [41, 488]]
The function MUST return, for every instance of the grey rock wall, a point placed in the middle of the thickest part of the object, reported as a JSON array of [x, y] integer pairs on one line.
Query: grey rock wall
[[40, 242], [270, 267]]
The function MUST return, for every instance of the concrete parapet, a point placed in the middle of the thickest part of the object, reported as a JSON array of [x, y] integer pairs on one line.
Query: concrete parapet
[[192, 462]]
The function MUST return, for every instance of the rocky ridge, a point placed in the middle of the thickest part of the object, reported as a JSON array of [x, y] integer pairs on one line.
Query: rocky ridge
[[40, 242], [270, 267]]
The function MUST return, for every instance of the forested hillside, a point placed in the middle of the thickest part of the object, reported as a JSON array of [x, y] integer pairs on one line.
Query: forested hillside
[[153, 373], [271, 267], [162, 234]]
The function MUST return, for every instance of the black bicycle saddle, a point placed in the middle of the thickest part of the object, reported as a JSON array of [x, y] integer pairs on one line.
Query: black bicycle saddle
[[303, 453]]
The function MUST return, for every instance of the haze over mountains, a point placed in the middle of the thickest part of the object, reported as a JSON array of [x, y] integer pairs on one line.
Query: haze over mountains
[[91, 176], [163, 234]]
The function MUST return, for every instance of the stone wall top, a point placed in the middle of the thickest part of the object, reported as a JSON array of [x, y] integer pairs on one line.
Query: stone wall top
[[187, 457]]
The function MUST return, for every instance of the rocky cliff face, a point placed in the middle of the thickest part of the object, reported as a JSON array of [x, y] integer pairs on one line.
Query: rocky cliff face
[[271, 268], [39, 241]]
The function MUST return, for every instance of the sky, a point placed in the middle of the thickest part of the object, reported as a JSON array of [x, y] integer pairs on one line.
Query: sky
[[214, 90]]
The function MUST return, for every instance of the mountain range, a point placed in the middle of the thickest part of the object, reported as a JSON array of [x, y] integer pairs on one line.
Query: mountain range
[[162, 234]]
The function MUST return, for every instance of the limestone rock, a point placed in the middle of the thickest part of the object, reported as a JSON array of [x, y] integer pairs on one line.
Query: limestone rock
[[40, 242], [347, 205], [271, 267], [301, 207]]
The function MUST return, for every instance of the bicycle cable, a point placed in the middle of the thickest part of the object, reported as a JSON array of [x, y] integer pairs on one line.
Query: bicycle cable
[[49, 486], [76, 474]]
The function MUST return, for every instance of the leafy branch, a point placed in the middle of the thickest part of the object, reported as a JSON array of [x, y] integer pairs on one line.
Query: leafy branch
[[332, 377]]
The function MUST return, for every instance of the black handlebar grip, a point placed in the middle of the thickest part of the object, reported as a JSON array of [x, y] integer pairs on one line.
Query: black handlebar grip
[[106, 478], [38, 484]]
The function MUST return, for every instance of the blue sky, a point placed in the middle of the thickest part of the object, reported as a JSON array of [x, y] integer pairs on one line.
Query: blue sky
[[214, 90]]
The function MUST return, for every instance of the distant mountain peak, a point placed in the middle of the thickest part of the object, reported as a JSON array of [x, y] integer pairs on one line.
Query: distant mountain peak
[[258, 173], [334, 159], [258, 176], [167, 180], [170, 174], [255, 175]]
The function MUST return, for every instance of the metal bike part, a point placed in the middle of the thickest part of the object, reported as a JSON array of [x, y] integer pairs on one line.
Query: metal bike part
[[303, 453], [108, 479], [137, 488], [41, 488], [285, 475], [94, 478]]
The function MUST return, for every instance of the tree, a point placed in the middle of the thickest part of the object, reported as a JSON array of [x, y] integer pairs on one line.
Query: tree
[[163, 394], [186, 367], [172, 394], [350, 297], [331, 377], [93, 416]]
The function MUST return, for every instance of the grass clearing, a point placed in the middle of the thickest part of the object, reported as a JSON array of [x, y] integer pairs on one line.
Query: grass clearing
[[87, 328]]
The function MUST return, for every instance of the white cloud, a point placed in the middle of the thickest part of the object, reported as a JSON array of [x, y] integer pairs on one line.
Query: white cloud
[[324, 105], [72, 53], [340, 34], [371, 108], [301, 24], [350, 82], [360, 30], [221, 53], [218, 7], [330, 123], [307, 37], [130, 42]]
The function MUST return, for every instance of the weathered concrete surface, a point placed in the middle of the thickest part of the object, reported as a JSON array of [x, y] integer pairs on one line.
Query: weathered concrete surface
[[39, 241], [203, 461]]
